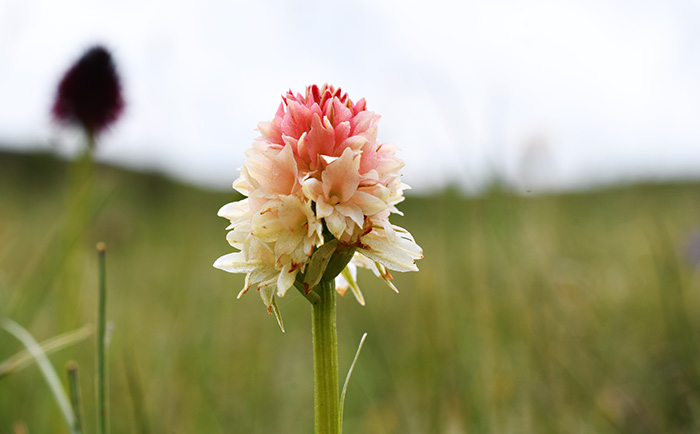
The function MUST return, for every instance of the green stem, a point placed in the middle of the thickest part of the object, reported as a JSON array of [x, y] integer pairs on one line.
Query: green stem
[[74, 394], [325, 343], [101, 330]]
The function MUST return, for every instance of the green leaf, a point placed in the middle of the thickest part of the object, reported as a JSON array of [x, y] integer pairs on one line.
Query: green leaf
[[318, 264]]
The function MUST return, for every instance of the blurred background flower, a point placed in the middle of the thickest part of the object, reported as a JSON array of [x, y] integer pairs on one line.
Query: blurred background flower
[[89, 94]]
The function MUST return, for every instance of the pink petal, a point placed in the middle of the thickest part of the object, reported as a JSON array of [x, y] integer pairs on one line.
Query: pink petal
[[362, 121], [339, 113], [359, 106], [320, 139], [342, 132], [284, 172], [341, 177], [313, 189]]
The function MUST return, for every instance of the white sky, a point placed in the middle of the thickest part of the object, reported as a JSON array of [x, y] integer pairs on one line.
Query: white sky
[[545, 93]]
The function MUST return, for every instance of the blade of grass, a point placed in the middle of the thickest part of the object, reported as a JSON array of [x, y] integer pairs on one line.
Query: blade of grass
[[101, 331], [24, 358], [133, 382], [347, 380], [47, 370]]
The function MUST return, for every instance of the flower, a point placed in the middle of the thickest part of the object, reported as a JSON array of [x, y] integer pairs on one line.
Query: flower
[[89, 94], [320, 189]]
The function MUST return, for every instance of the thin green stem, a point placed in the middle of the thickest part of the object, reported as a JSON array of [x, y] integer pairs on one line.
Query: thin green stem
[[74, 394], [63, 250], [325, 345], [101, 330]]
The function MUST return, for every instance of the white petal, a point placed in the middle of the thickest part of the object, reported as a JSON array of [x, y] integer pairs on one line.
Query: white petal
[[399, 255], [267, 292], [348, 279], [393, 260], [234, 210], [369, 203], [287, 243], [336, 224], [234, 263], [323, 208], [329, 159], [285, 280]]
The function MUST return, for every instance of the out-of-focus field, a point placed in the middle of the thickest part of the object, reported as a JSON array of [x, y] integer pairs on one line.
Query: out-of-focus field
[[566, 313]]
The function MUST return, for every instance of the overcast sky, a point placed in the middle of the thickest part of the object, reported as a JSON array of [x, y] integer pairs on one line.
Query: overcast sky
[[544, 93]]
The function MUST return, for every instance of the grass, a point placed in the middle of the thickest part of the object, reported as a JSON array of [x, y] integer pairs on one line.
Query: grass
[[545, 314]]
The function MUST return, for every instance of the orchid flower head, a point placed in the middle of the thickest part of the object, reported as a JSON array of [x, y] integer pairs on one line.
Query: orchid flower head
[[320, 189]]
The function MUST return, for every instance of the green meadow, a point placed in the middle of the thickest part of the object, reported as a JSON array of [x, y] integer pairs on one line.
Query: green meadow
[[553, 313]]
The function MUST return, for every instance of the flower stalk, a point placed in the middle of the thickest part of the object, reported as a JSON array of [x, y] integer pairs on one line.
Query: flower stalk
[[325, 347], [319, 189]]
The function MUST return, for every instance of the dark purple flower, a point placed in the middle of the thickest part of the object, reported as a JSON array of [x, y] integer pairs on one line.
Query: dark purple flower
[[89, 95]]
